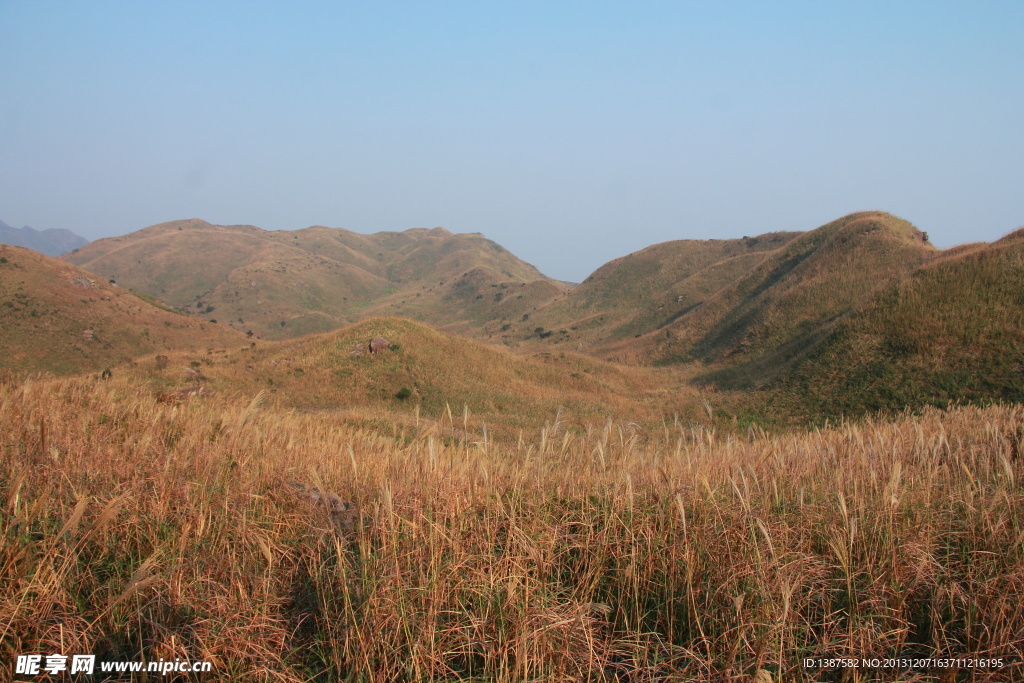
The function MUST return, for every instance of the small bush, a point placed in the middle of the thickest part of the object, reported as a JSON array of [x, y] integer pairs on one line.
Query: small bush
[[404, 393]]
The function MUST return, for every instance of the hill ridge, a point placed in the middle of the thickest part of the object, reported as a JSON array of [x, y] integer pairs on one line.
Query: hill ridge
[[812, 279], [283, 284]]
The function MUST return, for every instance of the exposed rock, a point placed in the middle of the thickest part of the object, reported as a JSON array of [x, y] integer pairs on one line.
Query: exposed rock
[[192, 372], [360, 350], [379, 344], [82, 281], [179, 395], [344, 515]]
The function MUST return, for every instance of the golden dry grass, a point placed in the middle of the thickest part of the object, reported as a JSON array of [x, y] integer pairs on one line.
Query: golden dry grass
[[138, 530]]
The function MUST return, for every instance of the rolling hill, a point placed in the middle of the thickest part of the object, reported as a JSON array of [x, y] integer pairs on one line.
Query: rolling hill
[[759, 323], [750, 304], [430, 372], [59, 318], [857, 315], [952, 331], [641, 292], [285, 284]]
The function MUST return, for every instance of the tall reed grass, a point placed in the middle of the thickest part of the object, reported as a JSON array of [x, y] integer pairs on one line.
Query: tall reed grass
[[138, 530]]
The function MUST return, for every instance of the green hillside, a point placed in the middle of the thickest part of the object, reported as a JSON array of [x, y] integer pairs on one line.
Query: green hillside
[[641, 292], [761, 322], [952, 331]]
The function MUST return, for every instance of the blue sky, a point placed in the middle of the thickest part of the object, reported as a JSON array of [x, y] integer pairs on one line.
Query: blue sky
[[570, 132]]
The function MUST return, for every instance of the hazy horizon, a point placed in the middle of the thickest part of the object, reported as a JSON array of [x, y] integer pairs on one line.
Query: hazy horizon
[[571, 133]]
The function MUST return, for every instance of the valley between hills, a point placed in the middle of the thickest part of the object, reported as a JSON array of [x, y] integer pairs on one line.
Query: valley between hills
[[711, 460]]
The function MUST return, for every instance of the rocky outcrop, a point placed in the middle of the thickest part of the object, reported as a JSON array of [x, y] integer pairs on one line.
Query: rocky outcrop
[[179, 395], [345, 516]]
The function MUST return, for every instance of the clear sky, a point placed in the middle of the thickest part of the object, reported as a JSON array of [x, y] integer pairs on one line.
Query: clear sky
[[570, 132]]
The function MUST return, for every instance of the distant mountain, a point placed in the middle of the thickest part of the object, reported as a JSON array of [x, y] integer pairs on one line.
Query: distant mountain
[[56, 317], [285, 284], [49, 242]]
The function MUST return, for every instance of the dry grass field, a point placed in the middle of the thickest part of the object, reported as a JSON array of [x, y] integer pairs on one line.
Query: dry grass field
[[607, 551]]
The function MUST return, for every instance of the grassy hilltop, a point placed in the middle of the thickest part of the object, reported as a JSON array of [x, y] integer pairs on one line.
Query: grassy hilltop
[[641, 292], [430, 374], [286, 284], [797, 289], [952, 331]]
